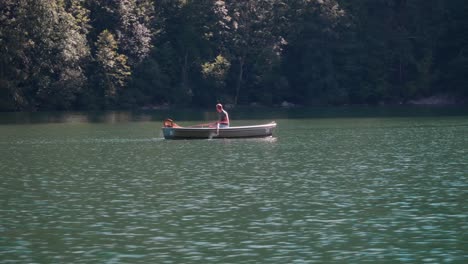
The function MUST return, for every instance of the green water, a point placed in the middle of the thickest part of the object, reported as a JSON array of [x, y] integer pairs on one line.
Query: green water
[[332, 188]]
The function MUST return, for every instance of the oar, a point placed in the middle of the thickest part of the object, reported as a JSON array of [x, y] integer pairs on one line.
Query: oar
[[203, 125]]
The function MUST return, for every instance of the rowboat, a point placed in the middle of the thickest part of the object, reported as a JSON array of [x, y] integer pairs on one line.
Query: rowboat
[[208, 131]]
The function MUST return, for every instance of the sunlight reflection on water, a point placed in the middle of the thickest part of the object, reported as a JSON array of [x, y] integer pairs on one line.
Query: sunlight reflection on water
[[336, 191]]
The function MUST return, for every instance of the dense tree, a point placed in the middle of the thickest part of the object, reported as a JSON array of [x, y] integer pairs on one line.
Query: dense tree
[[114, 71], [11, 53], [451, 49], [134, 29], [44, 51], [182, 45], [69, 54], [316, 60], [250, 39]]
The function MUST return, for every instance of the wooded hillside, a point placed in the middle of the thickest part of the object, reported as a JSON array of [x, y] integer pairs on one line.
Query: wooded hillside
[[116, 54]]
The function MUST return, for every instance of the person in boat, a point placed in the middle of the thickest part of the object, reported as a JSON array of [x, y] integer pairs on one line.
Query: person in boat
[[223, 117]]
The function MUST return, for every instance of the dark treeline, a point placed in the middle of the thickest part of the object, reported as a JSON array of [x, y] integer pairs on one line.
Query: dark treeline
[[108, 54]]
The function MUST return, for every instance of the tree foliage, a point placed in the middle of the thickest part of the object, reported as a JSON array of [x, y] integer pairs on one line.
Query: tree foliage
[[114, 71], [43, 53], [86, 54]]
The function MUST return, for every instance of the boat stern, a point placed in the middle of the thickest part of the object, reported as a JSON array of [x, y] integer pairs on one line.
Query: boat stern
[[168, 132]]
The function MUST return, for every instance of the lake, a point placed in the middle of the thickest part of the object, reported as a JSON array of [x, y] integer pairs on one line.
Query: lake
[[333, 185]]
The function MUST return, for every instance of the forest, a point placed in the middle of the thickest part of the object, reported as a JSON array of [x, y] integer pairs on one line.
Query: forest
[[133, 54]]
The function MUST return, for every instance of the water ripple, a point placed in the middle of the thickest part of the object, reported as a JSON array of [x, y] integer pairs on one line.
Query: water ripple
[[360, 193]]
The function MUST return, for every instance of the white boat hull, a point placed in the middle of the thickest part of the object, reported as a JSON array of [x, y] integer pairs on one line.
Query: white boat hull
[[264, 130]]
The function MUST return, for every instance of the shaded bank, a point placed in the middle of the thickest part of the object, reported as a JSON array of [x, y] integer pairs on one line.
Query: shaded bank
[[237, 113]]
